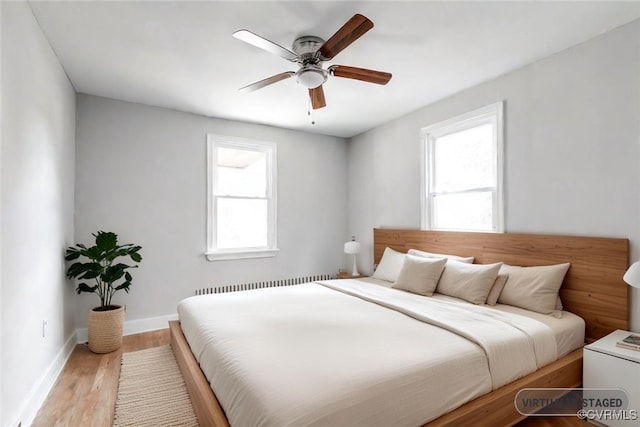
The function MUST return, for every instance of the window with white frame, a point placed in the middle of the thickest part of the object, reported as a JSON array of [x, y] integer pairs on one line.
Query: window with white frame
[[462, 172], [241, 202]]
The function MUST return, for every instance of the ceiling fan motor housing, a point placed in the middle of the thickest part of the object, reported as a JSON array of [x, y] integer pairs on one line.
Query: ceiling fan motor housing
[[310, 75], [307, 44]]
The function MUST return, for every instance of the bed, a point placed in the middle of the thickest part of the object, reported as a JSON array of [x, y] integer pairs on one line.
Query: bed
[[592, 288]]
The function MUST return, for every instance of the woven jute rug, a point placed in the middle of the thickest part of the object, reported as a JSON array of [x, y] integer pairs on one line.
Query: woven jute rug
[[151, 391]]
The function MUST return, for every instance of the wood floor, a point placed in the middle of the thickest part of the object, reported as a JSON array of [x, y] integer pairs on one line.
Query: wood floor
[[85, 393]]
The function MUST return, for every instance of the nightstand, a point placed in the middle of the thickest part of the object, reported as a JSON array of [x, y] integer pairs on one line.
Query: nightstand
[[347, 275], [607, 366]]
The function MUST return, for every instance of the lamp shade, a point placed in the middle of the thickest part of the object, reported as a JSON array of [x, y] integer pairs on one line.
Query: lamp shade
[[352, 247], [632, 276], [310, 77]]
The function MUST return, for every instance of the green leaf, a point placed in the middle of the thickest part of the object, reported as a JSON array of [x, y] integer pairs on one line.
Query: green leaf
[[76, 269], [124, 286], [89, 274], [94, 253], [128, 249], [135, 256], [83, 287], [110, 256], [72, 254], [114, 272], [106, 240], [127, 277]]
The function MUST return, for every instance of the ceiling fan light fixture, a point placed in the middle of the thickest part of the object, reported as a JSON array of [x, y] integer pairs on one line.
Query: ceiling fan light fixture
[[309, 52], [311, 77]]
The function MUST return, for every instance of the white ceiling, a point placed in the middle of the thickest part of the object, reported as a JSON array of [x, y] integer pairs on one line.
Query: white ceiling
[[181, 55]]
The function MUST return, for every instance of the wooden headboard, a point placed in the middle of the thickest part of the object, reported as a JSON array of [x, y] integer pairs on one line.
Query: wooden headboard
[[593, 287]]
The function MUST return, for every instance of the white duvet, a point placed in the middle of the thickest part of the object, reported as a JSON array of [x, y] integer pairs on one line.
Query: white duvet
[[350, 353]]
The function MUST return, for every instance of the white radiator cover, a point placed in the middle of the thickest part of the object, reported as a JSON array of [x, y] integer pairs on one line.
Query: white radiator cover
[[265, 284]]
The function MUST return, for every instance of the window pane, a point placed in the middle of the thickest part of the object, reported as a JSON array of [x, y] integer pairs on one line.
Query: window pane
[[467, 211], [241, 223], [464, 160], [241, 172]]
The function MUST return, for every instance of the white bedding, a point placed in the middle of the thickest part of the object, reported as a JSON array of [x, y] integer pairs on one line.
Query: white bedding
[[324, 354], [569, 329]]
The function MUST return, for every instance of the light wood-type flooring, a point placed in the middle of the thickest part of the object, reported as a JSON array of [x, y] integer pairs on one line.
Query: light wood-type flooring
[[85, 393]]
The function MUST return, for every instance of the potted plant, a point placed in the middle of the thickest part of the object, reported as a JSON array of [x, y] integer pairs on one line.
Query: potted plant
[[99, 272]]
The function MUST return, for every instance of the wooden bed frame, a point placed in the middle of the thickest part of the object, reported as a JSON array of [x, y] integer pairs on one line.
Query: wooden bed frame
[[593, 289]]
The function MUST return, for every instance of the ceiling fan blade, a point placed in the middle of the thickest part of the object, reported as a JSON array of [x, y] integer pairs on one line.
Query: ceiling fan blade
[[264, 44], [317, 97], [371, 76], [350, 32], [266, 82]]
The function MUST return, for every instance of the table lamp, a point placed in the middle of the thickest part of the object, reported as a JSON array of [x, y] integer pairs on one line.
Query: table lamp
[[352, 248], [632, 276]]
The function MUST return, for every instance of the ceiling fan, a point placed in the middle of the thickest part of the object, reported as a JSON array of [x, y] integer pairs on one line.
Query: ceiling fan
[[309, 52]]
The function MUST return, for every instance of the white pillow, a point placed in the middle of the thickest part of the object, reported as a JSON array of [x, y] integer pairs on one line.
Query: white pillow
[[420, 275], [468, 260], [533, 288], [470, 282], [389, 266], [496, 289]]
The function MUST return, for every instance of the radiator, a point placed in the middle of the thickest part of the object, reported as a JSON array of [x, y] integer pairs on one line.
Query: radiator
[[259, 285]]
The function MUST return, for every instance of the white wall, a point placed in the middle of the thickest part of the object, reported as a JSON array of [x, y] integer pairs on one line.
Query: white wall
[[141, 172], [572, 161], [572, 156], [37, 200]]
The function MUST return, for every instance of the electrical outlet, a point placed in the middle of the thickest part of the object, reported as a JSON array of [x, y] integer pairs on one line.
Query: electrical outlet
[[44, 328]]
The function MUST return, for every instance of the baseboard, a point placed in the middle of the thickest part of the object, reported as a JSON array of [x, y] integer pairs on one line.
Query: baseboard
[[43, 386], [137, 326]]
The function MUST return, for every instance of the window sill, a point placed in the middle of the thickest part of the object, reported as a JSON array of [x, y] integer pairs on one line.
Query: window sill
[[246, 254], [465, 230]]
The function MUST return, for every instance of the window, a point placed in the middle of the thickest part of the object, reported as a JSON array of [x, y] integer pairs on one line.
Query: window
[[462, 172], [241, 205]]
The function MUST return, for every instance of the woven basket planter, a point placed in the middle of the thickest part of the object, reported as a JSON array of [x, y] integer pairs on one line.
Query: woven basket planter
[[105, 330]]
